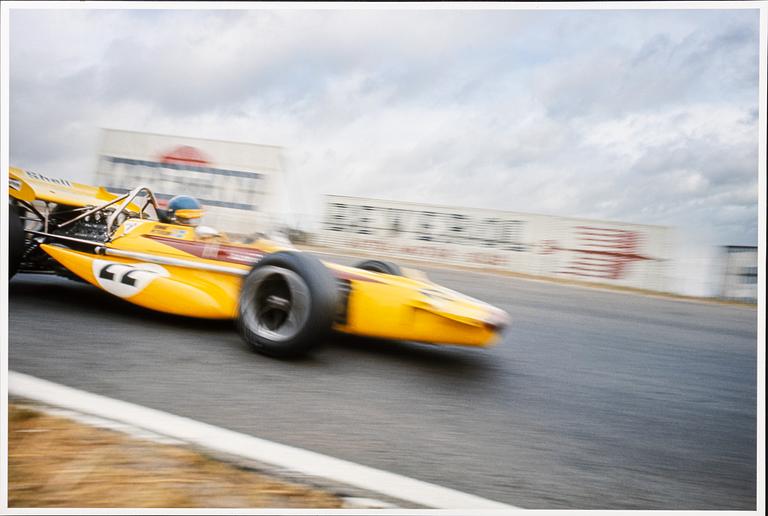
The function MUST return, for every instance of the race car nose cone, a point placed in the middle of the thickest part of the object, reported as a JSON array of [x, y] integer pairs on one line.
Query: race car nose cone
[[498, 320]]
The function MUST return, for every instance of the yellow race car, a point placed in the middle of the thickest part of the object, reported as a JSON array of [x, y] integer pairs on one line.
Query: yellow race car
[[283, 300]]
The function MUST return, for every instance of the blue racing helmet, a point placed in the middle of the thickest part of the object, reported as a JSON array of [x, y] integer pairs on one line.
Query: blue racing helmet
[[185, 210]]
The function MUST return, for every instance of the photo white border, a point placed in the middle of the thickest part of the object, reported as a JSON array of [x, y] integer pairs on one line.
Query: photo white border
[[8, 6]]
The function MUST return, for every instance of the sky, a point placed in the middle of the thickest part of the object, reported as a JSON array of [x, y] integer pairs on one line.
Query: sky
[[643, 116]]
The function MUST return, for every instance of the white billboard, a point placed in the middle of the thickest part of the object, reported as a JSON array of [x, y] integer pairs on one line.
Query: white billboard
[[237, 183], [616, 253]]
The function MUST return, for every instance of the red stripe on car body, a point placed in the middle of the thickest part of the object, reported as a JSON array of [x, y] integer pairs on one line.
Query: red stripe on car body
[[213, 250], [235, 254]]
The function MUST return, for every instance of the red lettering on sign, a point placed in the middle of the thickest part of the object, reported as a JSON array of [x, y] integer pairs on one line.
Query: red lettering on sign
[[604, 252], [186, 155]]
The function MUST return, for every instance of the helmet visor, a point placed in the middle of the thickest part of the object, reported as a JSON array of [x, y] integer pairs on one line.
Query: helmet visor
[[189, 213], [189, 217]]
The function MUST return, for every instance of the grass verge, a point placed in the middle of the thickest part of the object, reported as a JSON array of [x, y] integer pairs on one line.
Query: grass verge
[[57, 462]]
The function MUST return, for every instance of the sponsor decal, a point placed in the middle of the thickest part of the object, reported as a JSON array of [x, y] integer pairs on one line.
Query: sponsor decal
[[53, 180], [169, 231], [126, 280], [14, 183], [211, 251], [130, 225]]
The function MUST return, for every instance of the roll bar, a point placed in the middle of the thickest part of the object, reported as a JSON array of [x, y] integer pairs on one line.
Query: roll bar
[[129, 197]]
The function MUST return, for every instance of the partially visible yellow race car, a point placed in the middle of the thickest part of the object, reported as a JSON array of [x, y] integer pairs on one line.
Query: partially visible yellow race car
[[283, 300]]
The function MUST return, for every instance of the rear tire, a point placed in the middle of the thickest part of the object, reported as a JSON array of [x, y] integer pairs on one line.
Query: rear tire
[[16, 241], [287, 304], [380, 266]]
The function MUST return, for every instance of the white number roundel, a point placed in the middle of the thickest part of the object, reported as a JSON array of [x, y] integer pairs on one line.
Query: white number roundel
[[126, 280]]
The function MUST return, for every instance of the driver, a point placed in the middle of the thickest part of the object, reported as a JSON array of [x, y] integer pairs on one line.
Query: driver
[[184, 210]]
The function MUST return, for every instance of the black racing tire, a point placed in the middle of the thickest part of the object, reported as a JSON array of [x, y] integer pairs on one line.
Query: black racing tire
[[287, 304], [16, 241], [380, 266]]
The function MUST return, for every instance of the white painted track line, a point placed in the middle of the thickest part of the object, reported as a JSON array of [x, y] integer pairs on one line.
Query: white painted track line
[[227, 441]]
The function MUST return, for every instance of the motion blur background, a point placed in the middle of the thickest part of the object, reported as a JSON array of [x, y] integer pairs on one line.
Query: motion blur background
[[647, 117], [618, 146]]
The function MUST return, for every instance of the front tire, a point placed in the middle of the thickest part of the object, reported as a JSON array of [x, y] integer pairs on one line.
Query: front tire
[[380, 266], [16, 241], [287, 304]]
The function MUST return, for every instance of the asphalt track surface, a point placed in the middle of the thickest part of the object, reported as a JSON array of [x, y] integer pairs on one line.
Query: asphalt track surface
[[594, 400]]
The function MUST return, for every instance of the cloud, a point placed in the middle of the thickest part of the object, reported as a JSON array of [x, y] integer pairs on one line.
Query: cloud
[[661, 73], [642, 116]]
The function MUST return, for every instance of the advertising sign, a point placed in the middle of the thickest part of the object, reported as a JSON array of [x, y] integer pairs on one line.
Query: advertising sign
[[589, 250], [235, 182]]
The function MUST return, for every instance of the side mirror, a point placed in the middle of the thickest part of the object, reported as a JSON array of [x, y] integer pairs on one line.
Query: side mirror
[[206, 232]]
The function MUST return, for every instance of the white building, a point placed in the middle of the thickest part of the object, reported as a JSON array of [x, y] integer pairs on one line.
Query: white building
[[739, 273], [237, 183]]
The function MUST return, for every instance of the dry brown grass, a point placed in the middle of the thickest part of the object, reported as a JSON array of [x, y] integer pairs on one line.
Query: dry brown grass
[[57, 462]]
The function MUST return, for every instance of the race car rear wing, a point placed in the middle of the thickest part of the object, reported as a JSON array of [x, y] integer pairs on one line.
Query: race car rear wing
[[29, 186]]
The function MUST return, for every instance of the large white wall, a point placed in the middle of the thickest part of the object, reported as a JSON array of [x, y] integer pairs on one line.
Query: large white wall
[[610, 252]]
